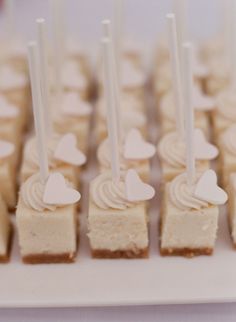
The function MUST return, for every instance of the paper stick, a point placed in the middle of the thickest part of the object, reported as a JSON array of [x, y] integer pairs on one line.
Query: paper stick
[[106, 24], [44, 71], [38, 111], [9, 16], [58, 50], [176, 74], [180, 10], [188, 107], [111, 114], [118, 32]]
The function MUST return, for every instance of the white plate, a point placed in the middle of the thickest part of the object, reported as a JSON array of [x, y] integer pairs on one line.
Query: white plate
[[92, 282]]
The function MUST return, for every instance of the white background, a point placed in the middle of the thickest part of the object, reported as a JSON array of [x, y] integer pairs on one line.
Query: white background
[[145, 21]]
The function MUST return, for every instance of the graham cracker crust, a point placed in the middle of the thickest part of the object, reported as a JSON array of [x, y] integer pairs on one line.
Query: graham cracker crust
[[128, 254], [49, 258], [6, 258], [186, 252]]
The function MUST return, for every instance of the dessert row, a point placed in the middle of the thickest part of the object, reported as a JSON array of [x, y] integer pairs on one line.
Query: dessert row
[[46, 167]]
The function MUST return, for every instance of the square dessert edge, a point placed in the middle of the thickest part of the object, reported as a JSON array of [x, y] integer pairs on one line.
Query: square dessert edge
[[118, 233], [49, 236], [187, 232]]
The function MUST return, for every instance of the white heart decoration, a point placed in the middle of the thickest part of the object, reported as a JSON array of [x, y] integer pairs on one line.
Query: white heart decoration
[[67, 151], [203, 149], [136, 189], [73, 105], [58, 193], [208, 190], [6, 148], [136, 148], [7, 110]]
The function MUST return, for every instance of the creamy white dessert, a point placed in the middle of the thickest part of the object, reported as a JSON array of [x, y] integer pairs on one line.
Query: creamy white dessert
[[167, 113], [218, 77], [188, 224], [15, 87], [47, 232], [171, 150], [132, 113], [116, 227], [141, 166], [8, 173], [73, 116], [224, 115], [232, 207], [5, 232], [30, 162], [227, 146]]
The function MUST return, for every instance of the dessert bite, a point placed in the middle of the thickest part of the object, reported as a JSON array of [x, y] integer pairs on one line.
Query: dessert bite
[[135, 153], [46, 211], [172, 146], [6, 231], [203, 107], [231, 211], [73, 116], [15, 87], [189, 214], [117, 215], [227, 146], [62, 150], [132, 112], [8, 173]]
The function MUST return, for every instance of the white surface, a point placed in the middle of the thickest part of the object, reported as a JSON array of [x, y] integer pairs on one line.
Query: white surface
[[204, 23]]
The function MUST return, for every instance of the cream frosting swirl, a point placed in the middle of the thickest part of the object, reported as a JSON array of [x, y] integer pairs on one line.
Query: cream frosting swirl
[[103, 155], [31, 153], [182, 196], [32, 194], [172, 150], [107, 194], [228, 139], [226, 104]]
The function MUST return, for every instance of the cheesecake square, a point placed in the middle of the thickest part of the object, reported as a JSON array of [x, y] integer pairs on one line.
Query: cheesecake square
[[116, 233], [5, 232], [231, 189], [187, 232], [48, 236]]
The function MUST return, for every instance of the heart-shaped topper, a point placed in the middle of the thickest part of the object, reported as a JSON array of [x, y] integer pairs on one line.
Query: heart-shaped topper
[[6, 148], [202, 102], [136, 148], [208, 190], [73, 105], [7, 110], [136, 189], [68, 152], [203, 149], [57, 192]]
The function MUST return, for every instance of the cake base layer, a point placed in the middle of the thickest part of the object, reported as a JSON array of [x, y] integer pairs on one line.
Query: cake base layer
[[186, 252], [6, 258], [128, 254], [49, 258]]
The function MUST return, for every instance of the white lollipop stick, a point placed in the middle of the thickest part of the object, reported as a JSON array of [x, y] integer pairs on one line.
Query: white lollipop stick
[[176, 74], [38, 111], [118, 24], [10, 21], [189, 114], [57, 47], [111, 114], [106, 24], [180, 10], [44, 70]]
